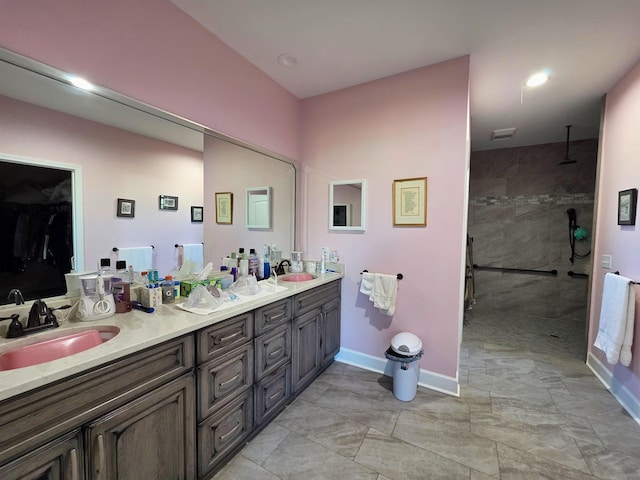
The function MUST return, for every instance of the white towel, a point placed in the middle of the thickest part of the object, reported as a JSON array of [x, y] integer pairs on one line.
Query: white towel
[[140, 257], [195, 253], [382, 290], [617, 313]]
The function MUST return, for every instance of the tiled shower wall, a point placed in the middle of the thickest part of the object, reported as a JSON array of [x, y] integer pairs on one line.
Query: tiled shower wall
[[518, 203]]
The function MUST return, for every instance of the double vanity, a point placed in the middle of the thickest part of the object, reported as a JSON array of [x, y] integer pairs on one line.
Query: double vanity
[[169, 394]]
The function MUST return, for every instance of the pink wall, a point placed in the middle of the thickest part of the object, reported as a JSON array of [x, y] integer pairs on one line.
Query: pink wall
[[152, 51], [115, 164], [412, 124], [619, 157]]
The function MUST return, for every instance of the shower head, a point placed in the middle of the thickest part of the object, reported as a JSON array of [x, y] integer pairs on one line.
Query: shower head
[[567, 160]]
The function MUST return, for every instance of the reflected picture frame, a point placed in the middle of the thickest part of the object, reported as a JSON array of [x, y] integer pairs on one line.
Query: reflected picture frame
[[410, 202], [627, 200], [126, 208], [224, 208], [168, 202], [197, 214]]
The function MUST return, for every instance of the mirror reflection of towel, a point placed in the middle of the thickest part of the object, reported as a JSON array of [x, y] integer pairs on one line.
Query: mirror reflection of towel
[[195, 253], [140, 257]]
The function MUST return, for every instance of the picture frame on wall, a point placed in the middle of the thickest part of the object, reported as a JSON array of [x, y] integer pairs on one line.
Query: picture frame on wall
[[197, 214], [168, 202], [224, 208], [410, 202], [126, 208], [627, 200]]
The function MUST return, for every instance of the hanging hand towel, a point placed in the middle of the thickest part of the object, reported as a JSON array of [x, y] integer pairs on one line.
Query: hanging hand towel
[[195, 253], [384, 293], [140, 257], [617, 313], [366, 285]]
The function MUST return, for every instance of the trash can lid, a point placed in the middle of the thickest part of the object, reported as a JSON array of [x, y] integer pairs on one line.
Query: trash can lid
[[406, 343]]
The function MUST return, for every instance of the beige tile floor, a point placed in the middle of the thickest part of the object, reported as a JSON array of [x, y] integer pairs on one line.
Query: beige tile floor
[[521, 415]]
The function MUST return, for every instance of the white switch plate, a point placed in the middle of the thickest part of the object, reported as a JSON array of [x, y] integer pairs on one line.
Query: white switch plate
[[606, 261]]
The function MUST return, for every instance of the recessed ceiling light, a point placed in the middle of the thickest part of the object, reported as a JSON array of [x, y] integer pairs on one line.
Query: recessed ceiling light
[[287, 60], [537, 79], [81, 83]]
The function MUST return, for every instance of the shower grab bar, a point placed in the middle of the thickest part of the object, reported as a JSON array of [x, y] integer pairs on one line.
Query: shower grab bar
[[516, 270], [573, 274]]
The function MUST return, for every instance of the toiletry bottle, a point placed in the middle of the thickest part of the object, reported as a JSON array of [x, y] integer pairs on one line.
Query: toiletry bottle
[[121, 274], [234, 260], [266, 261], [253, 262], [243, 269], [168, 290]]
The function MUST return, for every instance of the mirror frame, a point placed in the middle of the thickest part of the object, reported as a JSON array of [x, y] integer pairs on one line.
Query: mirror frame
[[261, 191], [363, 195]]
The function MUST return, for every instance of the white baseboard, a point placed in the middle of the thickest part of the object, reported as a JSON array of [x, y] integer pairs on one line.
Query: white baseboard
[[431, 380], [618, 390]]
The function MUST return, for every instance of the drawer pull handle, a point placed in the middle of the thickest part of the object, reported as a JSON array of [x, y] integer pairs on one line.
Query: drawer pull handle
[[223, 384], [276, 317], [74, 464], [229, 337], [276, 395], [275, 353], [223, 437]]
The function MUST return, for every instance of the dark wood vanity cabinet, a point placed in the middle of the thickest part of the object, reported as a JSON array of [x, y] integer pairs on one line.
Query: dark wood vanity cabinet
[[112, 422], [178, 410]]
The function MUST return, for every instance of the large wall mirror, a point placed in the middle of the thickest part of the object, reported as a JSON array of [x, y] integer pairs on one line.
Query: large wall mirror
[[31, 95], [347, 205]]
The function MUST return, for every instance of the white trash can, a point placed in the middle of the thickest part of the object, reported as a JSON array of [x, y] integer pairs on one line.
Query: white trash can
[[405, 352]]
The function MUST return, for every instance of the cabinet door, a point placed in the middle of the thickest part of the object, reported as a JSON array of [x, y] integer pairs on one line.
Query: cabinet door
[[60, 459], [150, 438], [330, 332], [272, 394], [305, 361]]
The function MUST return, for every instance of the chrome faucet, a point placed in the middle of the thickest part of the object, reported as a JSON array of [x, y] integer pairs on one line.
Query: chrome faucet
[[15, 295]]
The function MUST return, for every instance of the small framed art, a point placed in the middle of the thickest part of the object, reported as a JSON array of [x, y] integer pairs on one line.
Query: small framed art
[[126, 208], [168, 202], [197, 214], [224, 208], [627, 200], [410, 202]]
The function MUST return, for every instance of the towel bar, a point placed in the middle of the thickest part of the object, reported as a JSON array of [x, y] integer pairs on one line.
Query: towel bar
[[399, 275], [631, 281], [115, 249], [181, 245]]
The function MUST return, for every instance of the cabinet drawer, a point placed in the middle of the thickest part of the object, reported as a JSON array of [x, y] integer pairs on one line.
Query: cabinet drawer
[[315, 298], [221, 379], [224, 336], [219, 435], [272, 350], [270, 316], [272, 394]]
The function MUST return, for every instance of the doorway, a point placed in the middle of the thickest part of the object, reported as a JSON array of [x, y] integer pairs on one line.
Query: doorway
[[531, 286]]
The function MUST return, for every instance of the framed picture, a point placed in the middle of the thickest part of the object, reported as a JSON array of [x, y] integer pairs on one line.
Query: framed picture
[[410, 202], [224, 208], [197, 214], [627, 206], [168, 202], [126, 208]]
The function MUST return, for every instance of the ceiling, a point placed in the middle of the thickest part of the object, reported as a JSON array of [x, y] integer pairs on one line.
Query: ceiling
[[586, 45]]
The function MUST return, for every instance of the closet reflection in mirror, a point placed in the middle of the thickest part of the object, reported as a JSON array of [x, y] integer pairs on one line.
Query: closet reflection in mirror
[[259, 207], [37, 223], [347, 205]]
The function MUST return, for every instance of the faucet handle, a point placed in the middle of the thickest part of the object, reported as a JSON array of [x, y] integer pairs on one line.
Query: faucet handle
[[15, 328]]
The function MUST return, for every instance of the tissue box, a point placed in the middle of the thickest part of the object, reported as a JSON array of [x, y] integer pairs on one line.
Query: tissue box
[[187, 286]]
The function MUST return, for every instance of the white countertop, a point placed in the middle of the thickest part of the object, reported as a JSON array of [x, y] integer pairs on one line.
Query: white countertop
[[138, 330]]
